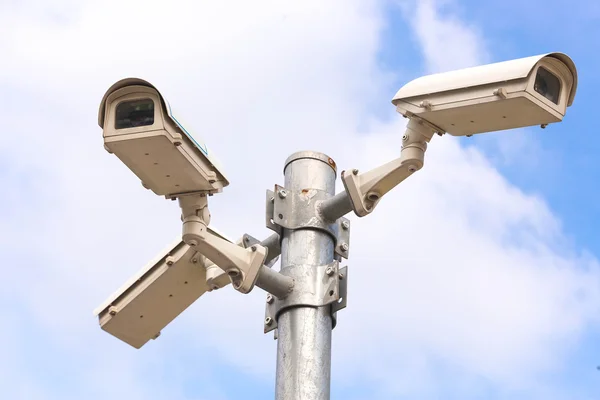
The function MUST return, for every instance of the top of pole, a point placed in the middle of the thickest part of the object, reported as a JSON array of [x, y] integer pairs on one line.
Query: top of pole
[[315, 155]]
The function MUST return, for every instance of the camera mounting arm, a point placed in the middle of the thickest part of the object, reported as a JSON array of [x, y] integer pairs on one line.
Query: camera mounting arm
[[363, 191], [241, 265]]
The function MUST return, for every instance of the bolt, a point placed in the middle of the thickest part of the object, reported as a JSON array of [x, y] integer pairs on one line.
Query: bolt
[[268, 321], [282, 194], [329, 271], [404, 137], [345, 246], [345, 225], [354, 171], [112, 310], [269, 298], [272, 199], [341, 276], [253, 248]]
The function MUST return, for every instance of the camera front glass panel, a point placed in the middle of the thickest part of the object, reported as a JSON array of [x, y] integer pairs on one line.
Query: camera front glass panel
[[134, 113], [547, 84]]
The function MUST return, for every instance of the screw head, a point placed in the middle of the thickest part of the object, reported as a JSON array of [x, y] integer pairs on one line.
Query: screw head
[[268, 321], [253, 248], [341, 276], [345, 225], [112, 310], [269, 298], [412, 168], [354, 171], [329, 271], [282, 194], [193, 243], [345, 247]]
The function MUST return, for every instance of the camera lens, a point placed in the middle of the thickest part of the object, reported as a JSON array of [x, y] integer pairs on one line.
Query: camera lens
[[134, 113], [547, 84]]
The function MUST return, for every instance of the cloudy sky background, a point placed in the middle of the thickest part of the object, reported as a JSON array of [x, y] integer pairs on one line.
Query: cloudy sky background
[[476, 278]]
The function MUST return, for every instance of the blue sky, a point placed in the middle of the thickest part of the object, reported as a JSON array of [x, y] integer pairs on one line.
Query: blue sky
[[480, 273]]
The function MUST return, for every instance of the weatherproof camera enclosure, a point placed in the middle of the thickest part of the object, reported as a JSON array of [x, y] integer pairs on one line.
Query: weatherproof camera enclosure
[[140, 129], [157, 294], [512, 94]]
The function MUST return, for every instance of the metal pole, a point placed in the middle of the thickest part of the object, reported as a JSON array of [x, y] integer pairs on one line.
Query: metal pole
[[304, 332]]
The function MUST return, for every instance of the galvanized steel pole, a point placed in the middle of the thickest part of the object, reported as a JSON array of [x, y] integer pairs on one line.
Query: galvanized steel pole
[[304, 332]]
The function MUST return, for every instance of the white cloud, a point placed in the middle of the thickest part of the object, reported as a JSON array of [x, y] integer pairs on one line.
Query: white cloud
[[456, 267], [447, 42]]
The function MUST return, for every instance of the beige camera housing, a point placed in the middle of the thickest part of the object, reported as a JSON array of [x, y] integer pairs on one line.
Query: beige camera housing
[[156, 147], [159, 292], [492, 97]]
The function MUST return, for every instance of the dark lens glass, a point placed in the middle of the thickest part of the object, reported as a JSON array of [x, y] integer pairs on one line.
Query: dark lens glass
[[134, 113], [547, 84]]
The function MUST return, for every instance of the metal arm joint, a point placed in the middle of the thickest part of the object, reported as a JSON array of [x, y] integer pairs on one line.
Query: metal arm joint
[[241, 265], [366, 189]]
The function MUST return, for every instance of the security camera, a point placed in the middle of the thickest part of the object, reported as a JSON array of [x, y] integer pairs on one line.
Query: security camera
[[512, 94], [172, 281], [155, 296], [140, 129]]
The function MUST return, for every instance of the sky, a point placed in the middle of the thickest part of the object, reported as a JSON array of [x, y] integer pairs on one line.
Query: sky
[[477, 278]]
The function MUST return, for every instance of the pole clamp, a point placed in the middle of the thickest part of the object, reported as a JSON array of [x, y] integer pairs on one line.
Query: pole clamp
[[323, 285], [293, 210]]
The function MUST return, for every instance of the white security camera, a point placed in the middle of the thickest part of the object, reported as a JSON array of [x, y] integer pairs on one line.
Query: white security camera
[[140, 129], [512, 94], [159, 292], [529, 91], [154, 296]]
